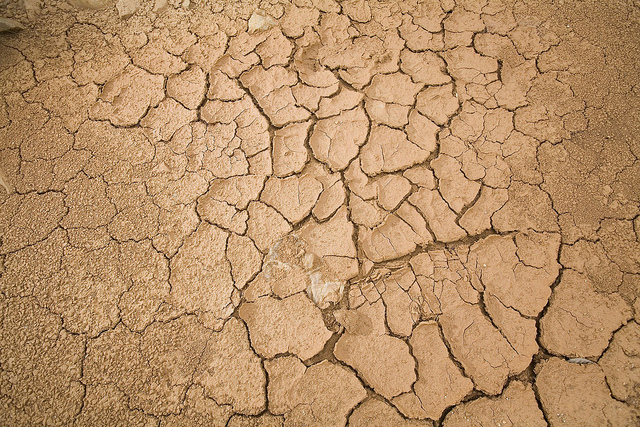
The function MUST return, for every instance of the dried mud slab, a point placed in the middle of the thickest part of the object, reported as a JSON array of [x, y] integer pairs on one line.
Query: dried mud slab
[[619, 364], [125, 99], [46, 376], [580, 321], [203, 256], [172, 348], [376, 412], [336, 140], [517, 405], [383, 361], [276, 326], [321, 394], [561, 386], [420, 213], [440, 383]]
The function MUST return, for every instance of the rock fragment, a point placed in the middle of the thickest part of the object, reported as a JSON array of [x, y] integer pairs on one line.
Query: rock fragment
[[10, 25], [126, 8], [291, 267], [260, 21]]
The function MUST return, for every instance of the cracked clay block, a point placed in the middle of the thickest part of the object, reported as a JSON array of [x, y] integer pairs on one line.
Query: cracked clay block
[[517, 405], [276, 326], [440, 382], [383, 361], [561, 386]]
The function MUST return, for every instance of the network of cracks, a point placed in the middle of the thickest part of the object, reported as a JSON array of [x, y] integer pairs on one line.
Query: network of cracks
[[321, 213]]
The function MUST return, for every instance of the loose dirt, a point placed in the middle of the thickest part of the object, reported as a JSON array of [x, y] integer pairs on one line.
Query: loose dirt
[[320, 213]]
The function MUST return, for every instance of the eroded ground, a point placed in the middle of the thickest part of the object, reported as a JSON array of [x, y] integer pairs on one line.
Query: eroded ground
[[374, 213]]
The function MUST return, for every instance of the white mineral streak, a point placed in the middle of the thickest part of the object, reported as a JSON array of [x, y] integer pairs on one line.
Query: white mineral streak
[[91, 4], [3, 182], [126, 8], [291, 253], [260, 21], [8, 25]]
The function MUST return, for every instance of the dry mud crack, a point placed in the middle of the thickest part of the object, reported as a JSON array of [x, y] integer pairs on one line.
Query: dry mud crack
[[320, 213]]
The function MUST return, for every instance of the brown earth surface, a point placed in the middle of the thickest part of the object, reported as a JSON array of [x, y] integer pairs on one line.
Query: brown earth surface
[[320, 213]]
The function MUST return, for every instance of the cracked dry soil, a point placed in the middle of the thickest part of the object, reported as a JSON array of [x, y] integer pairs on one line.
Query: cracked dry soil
[[413, 213]]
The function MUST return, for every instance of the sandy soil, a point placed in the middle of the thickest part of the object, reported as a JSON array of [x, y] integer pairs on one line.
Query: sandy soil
[[414, 213]]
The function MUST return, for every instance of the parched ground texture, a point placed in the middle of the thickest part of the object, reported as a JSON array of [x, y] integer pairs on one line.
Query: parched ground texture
[[188, 187]]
